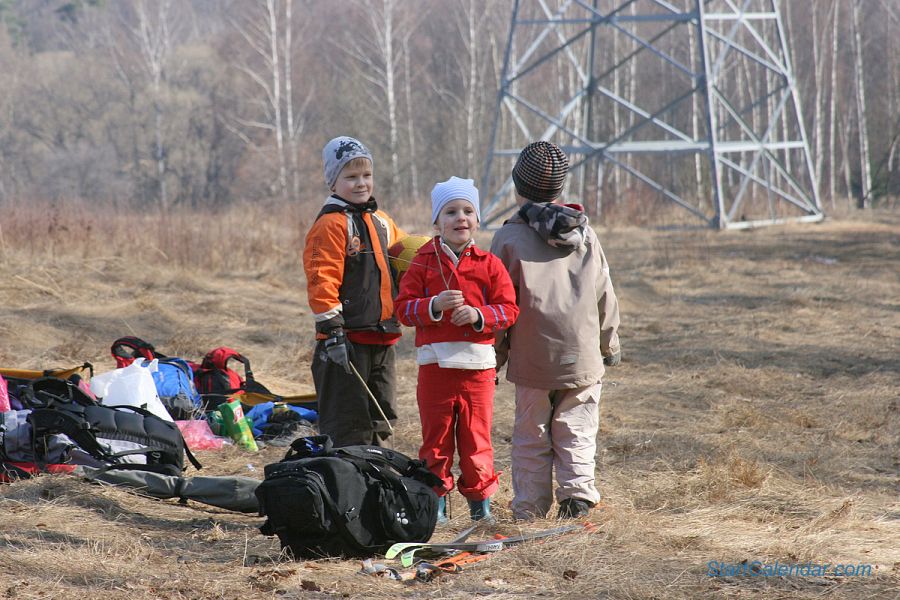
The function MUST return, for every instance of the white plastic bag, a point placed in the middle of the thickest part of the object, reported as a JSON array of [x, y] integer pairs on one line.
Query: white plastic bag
[[130, 386]]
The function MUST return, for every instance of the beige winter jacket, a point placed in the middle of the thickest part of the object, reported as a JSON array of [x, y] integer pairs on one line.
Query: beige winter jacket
[[569, 313]]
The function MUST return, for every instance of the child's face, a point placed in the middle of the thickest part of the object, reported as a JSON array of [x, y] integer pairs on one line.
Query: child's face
[[355, 182], [457, 223]]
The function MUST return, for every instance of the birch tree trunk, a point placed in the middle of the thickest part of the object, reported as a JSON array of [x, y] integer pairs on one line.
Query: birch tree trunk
[[388, 49], [276, 97], [410, 124], [377, 64], [893, 105], [269, 36], [473, 84], [155, 45], [632, 86], [292, 129], [819, 117], [845, 158], [832, 106], [865, 163]]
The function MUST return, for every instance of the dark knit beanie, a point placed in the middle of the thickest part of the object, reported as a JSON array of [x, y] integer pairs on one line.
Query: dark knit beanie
[[540, 172]]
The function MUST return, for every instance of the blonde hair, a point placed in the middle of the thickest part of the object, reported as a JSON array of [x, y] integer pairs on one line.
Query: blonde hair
[[357, 163]]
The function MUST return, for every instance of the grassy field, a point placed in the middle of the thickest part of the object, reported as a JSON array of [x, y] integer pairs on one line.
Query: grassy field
[[755, 417]]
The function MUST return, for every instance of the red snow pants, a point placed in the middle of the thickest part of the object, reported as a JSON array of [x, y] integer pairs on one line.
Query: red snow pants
[[456, 407]]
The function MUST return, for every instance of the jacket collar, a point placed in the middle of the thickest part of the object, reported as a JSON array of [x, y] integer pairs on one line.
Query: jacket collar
[[435, 242], [335, 200]]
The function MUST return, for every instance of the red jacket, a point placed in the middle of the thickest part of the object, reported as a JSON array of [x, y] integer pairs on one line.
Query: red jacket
[[480, 276]]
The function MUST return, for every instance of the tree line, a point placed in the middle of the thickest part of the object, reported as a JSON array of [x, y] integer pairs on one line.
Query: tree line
[[201, 103]]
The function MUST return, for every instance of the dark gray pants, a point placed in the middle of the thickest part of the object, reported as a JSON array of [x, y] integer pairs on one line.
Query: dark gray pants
[[346, 413]]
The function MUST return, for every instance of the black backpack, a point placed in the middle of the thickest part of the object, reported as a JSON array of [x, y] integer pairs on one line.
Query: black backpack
[[58, 407], [354, 501]]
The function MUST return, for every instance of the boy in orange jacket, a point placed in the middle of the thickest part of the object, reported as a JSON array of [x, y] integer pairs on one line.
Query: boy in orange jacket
[[351, 292]]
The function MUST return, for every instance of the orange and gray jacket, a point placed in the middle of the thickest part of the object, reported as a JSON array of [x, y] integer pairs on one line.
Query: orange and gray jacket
[[348, 275]]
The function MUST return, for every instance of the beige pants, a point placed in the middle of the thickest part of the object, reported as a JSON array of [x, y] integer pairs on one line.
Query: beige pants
[[554, 430]]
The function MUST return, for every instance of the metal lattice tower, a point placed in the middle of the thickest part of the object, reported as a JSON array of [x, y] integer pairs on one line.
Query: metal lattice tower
[[694, 100]]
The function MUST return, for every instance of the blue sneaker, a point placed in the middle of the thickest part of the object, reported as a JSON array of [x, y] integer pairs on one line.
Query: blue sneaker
[[480, 510], [442, 511]]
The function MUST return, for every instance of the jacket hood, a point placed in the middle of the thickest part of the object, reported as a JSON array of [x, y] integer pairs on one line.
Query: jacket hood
[[560, 225]]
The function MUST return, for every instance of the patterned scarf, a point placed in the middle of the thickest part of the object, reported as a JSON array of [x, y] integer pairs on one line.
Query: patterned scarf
[[560, 225]]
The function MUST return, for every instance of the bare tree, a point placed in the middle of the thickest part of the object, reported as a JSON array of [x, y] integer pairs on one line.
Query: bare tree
[[153, 37], [410, 124], [268, 35], [819, 70], [378, 62], [8, 85], [832, 105], [865, 163], [472, 83]]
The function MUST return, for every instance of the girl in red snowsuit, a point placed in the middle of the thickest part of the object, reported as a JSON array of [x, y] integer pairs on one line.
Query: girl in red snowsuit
[[457, 296]]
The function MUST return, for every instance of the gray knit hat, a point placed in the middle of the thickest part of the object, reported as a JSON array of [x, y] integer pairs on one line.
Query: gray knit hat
[[540, 172], [338, 152]]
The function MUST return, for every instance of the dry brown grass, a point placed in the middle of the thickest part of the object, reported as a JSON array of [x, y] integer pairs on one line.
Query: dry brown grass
[[756, 415]]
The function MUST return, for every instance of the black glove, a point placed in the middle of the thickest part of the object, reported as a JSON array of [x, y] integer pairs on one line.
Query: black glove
[[336, 347], [613, 360]]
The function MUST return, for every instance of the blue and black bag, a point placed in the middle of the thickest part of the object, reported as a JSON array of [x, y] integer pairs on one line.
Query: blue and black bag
[[174, 378]]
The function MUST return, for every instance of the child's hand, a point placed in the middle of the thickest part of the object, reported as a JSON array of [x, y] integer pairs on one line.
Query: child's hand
[[464, 315], [448, 300]]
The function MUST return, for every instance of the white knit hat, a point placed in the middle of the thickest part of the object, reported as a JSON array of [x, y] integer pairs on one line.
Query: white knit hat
[[454, 189]]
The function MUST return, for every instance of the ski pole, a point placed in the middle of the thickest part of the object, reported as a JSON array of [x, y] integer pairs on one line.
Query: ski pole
[[371, 395]]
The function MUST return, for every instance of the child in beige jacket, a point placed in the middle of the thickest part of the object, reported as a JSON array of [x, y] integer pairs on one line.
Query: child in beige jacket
[[565, 334]]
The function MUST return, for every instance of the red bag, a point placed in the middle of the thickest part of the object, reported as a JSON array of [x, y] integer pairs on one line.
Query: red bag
[[214, 377]]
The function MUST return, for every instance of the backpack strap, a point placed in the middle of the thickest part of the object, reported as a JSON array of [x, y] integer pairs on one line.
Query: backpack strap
[[147, 413], [217, 360], [306, 447], [125, 349], [45, 392], [49, 421], [401, 463], [71, 419], [70, 373]]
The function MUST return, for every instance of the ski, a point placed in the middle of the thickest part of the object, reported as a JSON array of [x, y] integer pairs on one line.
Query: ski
[[409, 549]]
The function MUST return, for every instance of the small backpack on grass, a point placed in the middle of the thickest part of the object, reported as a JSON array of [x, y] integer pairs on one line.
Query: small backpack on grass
[[217, 382], [215, 377], [174, 377], [354, 501]]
